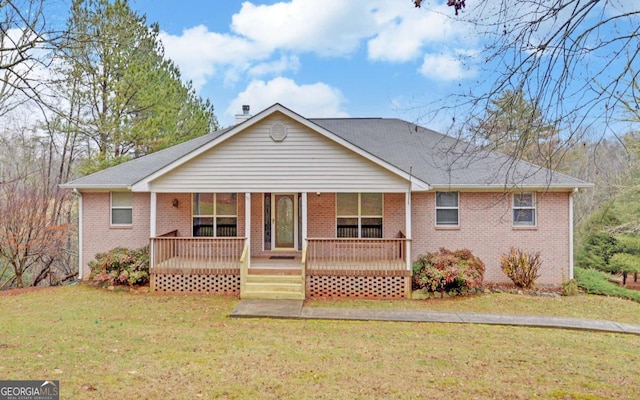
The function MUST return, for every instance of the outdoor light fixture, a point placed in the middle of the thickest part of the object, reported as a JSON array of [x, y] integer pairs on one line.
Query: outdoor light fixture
[[176, 203]]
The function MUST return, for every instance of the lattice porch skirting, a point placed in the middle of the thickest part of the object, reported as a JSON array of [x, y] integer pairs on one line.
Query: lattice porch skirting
[[221, 281], [358, 284]]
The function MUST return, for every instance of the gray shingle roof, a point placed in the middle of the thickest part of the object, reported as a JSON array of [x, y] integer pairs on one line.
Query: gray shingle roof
[[441, 160], [131, 172], [437, 159]]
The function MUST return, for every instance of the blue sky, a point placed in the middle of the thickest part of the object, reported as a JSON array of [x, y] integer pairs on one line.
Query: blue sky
[[329, 58], [371, 58]]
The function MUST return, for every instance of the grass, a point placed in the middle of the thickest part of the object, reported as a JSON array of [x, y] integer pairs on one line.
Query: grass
[[597, 282], [110, 345]]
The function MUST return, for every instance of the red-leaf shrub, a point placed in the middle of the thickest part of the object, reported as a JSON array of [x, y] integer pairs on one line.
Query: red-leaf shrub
[[121, 266], [449, 271]]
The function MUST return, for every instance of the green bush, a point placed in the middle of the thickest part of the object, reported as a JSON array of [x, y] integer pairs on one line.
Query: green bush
[[631, 245], [521, 267], [121, 266], [570, 288], [448, 271], [597, 250], [596, 282], [625, 264]]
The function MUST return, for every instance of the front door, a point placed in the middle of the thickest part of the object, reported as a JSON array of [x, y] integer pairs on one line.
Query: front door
[[285, 210]]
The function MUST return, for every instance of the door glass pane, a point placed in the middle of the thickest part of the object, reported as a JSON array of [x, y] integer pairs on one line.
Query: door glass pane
[[347, 204], [371, 204], [284, 221], [267, 221]]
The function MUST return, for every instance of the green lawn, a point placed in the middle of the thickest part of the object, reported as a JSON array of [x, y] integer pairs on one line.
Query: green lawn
[[112, 345]]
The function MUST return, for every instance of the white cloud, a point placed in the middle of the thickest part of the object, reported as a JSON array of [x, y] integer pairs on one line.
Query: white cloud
[[404, 31], [328, 28], [284, 64], [313, 100], [199, 52], [443, 67], [392, 30]]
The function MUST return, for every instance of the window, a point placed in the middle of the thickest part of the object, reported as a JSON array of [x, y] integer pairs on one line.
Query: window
[[447, 208], [359, 215], [524, 209], [215, 214], [121, 208]]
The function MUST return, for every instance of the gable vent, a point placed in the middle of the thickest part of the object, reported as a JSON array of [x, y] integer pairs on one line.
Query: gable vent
[[278, 132]]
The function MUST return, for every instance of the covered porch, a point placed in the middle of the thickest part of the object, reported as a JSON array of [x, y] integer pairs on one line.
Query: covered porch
[[324, 267], [264, 260]]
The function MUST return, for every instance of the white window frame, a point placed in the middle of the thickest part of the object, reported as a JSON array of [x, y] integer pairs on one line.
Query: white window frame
[[533, 207], [112, 208], [215, 214], [360, 216], [456, 207]]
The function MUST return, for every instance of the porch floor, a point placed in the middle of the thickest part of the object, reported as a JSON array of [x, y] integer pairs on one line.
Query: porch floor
[[264, 265], [258, 266]]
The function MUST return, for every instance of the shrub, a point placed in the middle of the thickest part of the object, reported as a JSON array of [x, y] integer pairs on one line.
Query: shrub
[[625, 264], [521, 267], [631, 244], [570, 288], [597, 251], [121, 266], [596, 282], [451, 271]]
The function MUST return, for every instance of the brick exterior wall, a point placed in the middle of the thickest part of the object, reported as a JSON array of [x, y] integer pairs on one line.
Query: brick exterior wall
[[170, 218], [97, 233], [257, 222], [393, 220], [486, 228], [321, 213]]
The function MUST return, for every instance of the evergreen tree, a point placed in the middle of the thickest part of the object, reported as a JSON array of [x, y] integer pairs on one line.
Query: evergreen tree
[[514, 125], [127, 99]]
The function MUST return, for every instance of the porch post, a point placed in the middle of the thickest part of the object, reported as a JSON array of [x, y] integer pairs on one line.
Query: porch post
[[407, 216], [247, 224], [152, 215], [152, 233], [303, 200]]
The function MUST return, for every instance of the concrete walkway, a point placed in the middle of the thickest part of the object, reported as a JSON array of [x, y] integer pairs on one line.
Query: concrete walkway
[[294, 309]]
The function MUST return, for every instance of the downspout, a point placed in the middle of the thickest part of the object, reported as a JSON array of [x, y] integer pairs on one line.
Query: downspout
[[80, 266], [575, 190]]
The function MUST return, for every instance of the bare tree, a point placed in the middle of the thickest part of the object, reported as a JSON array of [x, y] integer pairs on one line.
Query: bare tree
[[574, 59], [34, 211], [25, 41]]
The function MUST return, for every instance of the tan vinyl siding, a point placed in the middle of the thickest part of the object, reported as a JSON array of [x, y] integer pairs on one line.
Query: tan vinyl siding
[[305, 161]]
